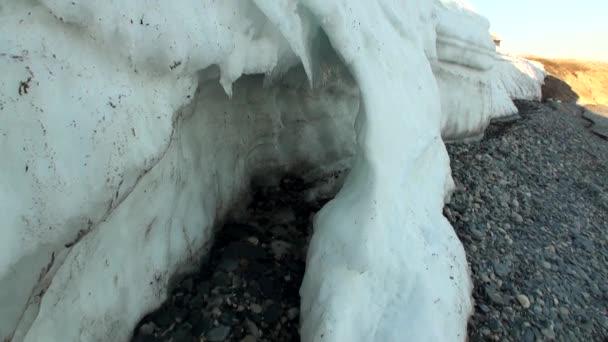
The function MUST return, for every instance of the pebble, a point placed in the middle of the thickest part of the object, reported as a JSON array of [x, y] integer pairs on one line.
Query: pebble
[[518, 218], [249, 338], [549, 333], [147, 329], [293, 313], [484, 277], [523, 301], [218, 334], [279, 248], [253, 329], [501, 269], [256, 308], [478, 234], [517, 175]]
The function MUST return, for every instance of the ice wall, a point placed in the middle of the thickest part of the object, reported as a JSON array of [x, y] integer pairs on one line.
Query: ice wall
[[522, 79], [128, 129]]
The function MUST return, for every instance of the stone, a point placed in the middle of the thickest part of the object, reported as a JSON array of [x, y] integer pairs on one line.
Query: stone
[[496, 298], [518, 218], [249, 338], [218, 334], [253, 329], [273, 313], [549, 333], [279, 248], [476, 233], [501, 269], [256, 308], [222, 279], [293, 313], [229, 264], [529, 335], [182, 335], [147, 329], [523, 301], [484, 277]]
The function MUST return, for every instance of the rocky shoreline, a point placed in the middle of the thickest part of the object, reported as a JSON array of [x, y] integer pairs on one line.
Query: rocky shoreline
[[531, 208], [532, 211]]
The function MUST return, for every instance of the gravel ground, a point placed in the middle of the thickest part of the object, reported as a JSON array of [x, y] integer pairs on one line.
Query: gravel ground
[[248, 290], [531, 209]]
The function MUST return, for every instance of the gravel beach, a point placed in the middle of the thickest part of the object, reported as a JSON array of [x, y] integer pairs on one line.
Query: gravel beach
[[531, 208], [532, 212]]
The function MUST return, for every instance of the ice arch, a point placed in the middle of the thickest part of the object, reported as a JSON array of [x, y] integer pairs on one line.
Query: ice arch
[[128, 128]]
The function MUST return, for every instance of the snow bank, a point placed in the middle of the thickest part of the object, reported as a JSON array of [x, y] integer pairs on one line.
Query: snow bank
[[521, 78], [129, 129]]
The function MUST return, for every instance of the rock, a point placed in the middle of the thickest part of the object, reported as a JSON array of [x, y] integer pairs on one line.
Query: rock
[[147, 329], [546, 265], [229, 264], [200, 323], [253, 240], [221, 279], [501, 269], [164, 317], [293, 313], [267, 286], [529, 335], [182, 335], [478, 234], [549, 333], [518, 218], [523, 301], [584, 243], [279, 248], [484, 277], [496, 298], [249, 338], [256, 308], [485, 308], [218, 334], [253, 329], [273, 313]]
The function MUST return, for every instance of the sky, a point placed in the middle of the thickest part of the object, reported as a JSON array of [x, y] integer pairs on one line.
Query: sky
[[550, 28]]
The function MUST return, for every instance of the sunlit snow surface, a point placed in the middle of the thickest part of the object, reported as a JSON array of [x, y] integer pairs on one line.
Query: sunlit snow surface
[[128, 128]]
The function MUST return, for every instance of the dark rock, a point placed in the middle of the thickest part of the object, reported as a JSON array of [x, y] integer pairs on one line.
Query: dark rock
[[228, 264], [244, 249], [182, 335], [222, 279], [501, 269], [218, 334], [273, 313], [200, 323]]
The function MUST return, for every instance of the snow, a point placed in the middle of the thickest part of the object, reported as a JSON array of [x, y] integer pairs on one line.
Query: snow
[[522, 79], [129, 129]]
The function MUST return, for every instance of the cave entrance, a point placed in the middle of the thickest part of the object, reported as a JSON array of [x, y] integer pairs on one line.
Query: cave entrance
[[247, 288], [293, 145]]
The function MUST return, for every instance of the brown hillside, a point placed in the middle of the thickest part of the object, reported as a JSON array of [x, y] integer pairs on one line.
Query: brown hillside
[[585, 82]]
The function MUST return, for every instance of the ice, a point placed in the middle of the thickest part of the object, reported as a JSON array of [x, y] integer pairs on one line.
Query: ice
[[128, 129]]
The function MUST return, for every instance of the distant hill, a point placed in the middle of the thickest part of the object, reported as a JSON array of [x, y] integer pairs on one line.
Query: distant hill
[[584, 82]]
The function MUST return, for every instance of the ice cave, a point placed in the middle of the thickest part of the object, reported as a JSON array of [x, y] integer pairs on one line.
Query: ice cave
[[130, 129]]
